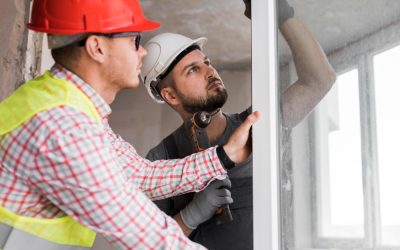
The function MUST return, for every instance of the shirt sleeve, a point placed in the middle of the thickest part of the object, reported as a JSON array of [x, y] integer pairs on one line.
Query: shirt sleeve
[[165, 178], [77, 170], [158, 153]]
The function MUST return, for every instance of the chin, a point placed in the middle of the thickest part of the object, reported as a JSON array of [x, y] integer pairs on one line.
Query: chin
[[133, 84]]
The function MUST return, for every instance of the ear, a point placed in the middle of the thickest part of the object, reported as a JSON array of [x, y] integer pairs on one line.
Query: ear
[[96, 47], [169, 96]]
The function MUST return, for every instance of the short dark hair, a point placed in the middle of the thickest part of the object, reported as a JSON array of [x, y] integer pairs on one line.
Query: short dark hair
[[166, 78], [165, 82], [66, 55]]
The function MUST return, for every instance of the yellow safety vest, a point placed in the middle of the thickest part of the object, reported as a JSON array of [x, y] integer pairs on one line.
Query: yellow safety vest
[[21, 232]]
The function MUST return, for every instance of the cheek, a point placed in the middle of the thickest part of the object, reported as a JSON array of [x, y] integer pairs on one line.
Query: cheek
[[129, 64], [128, 57]]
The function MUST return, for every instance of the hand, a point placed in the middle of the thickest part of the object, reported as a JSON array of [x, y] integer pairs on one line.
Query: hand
[[285, 11], [238, 147], [206, 202]]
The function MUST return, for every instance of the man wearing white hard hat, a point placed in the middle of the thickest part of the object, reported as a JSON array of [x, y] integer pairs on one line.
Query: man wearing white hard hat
[[177, 72], [64, 174]]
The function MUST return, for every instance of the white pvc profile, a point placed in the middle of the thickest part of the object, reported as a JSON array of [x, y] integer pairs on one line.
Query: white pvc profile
[[265, 141]]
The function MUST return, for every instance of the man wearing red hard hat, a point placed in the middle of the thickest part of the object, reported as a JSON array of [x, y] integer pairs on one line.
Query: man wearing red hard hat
[[64, 174]]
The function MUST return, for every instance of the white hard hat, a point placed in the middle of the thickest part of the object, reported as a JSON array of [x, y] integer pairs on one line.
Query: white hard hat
[[161, 53]]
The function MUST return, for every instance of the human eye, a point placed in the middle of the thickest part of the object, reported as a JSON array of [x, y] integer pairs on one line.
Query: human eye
[[193, 69]]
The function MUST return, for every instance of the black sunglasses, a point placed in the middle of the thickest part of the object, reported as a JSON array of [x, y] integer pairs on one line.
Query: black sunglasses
[[138, 37]]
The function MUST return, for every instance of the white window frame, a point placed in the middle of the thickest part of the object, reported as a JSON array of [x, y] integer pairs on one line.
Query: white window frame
[[321, 197], [360, 55], [265, 142]]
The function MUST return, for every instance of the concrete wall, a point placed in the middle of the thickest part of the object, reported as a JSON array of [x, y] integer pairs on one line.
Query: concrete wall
[[13, 41]]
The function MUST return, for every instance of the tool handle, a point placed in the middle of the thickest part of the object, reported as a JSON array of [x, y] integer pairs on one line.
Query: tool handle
[[223, 215]]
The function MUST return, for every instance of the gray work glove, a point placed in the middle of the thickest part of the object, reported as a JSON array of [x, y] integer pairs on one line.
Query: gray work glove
[[206, 202], [285, 11], [247, 11]]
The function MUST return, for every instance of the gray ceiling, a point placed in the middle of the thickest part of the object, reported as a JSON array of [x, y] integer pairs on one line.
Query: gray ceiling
[[335, 23]]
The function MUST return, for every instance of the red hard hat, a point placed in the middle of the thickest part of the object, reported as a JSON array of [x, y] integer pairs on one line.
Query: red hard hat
[[67, 17]]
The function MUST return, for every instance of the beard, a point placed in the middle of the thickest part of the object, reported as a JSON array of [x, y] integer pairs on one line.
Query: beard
[[209, 104]]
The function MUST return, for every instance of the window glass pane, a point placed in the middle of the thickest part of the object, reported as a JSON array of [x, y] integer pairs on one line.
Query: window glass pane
[[343, 212], [339, 171], [387, 89]]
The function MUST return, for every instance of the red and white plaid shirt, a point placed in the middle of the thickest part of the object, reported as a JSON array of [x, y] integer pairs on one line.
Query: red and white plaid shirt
[[62, 162]]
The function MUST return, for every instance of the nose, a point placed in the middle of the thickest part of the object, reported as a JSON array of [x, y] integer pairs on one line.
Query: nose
[[210, 71], [142, 51]]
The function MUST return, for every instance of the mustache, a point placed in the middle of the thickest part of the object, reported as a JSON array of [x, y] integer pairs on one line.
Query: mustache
[[213, 79]]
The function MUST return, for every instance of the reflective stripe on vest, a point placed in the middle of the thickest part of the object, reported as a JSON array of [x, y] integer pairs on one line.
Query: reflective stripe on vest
[[12, 238], [20, 232], [44, 92]]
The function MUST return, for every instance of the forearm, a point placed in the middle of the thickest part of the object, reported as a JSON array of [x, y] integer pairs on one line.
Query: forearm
[[310, 60], [95, 191], [315, 75], [187, 231], [167, 206], [165, 178]]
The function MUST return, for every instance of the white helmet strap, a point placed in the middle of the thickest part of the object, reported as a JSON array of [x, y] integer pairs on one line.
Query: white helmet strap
[[153, 88]]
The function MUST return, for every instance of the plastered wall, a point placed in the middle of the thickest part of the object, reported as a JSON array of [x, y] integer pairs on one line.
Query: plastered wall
[[13, 37]]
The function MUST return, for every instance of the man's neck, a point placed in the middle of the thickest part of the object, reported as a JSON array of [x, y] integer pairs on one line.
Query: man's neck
[[94, 77]]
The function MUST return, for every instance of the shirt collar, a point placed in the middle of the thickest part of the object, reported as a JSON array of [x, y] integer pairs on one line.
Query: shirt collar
[[62, 73]]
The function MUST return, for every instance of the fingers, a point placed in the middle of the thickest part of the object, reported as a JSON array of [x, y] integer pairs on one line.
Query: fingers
[[224, 200], [226, 183], [223, 197], [246, 125], [221, 183], [237, 148], [250, 120], [223, 192], [219, 193]]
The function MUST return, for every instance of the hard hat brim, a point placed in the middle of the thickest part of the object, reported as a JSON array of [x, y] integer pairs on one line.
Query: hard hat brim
[[145, 25]]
